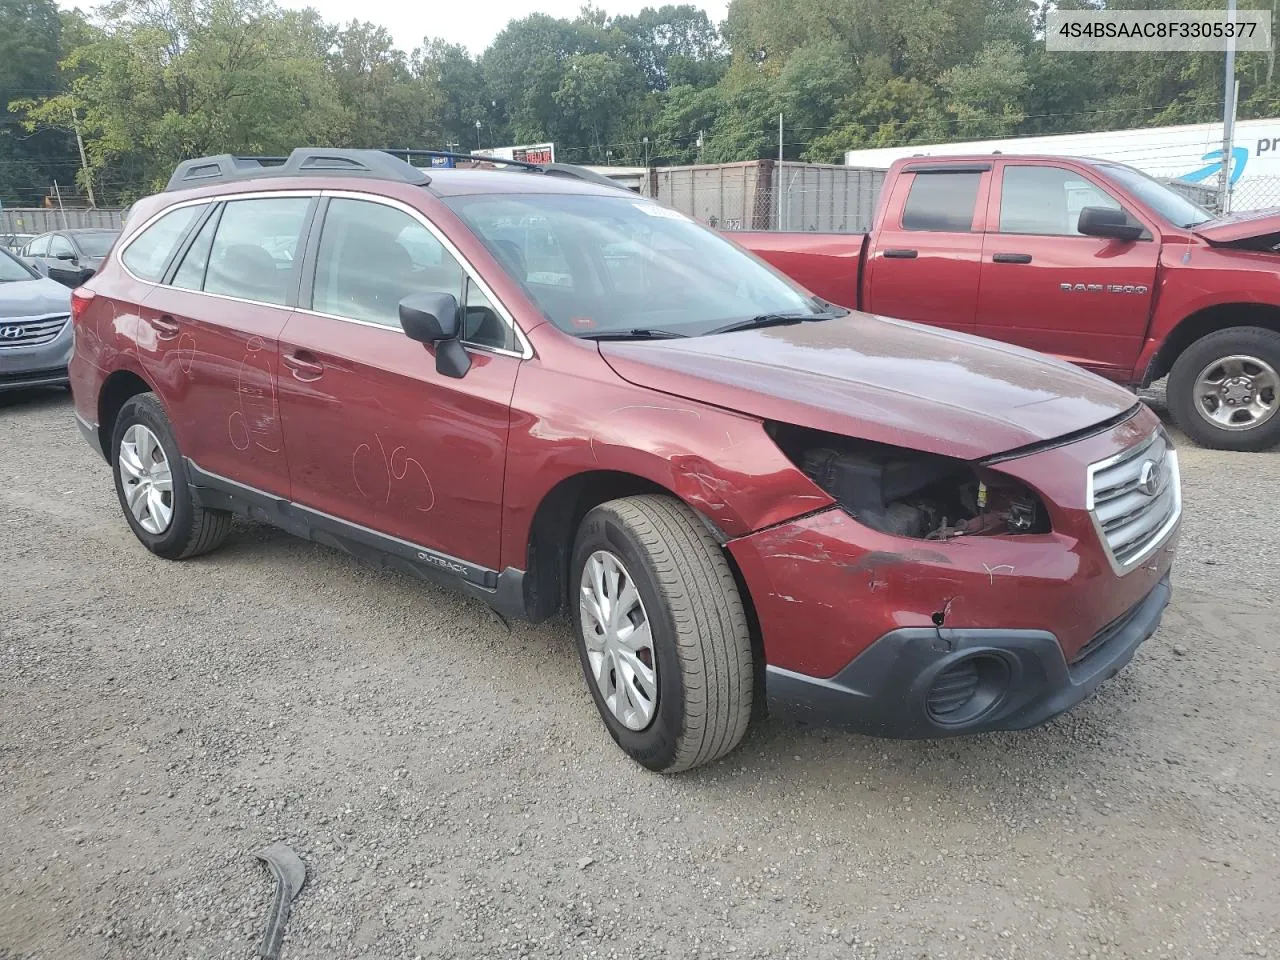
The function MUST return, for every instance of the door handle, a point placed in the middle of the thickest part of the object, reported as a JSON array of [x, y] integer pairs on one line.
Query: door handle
[[166, 327], [303, 369], [1011, 258], [900, 254]]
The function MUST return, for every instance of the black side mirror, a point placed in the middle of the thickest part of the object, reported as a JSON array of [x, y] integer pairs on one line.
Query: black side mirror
[[70, 276], [1107, 222], [432, 318]]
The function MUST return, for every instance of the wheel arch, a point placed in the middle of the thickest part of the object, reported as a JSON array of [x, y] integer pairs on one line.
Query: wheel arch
[[116, 390], [556, 519], [1207, 320]]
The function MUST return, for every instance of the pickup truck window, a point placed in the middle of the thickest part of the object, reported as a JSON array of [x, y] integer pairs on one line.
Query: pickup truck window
[[599, 264], [942, 202], [1167, 203], [1047, 201]]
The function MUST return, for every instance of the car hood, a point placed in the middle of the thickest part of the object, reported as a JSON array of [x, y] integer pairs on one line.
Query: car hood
[[33, 298], [1241, 226], [879, 379]]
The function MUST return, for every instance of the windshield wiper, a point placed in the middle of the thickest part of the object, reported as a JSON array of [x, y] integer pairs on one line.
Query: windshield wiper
[[638, 333], [774, 319]]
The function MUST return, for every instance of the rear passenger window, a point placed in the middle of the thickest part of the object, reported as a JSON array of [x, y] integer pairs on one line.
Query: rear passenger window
[[147, 254], [253, 248], [38, 247], [190, 275], [941, 202]]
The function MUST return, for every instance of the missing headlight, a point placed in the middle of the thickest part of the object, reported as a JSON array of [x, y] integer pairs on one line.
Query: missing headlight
[[907, 493]]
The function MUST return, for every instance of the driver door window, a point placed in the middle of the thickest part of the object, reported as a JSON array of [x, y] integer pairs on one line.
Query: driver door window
[[372, 256], [1046, 201], [60, 249]]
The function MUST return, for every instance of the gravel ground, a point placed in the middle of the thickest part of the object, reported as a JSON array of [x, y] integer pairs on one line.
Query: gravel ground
[[453, 794]]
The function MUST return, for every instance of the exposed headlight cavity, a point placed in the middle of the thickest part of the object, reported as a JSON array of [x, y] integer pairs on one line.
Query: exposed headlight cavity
[[908, 493]]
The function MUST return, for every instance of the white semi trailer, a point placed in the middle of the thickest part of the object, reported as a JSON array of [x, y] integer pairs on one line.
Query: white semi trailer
[[1192, 152]]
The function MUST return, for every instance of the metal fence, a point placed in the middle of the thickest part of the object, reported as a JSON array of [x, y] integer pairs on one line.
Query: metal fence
[[37, 220], [1198, 193], [1255, 193], [766, 195]]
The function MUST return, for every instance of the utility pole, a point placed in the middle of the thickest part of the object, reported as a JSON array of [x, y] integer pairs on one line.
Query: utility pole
[[84, 163], [58, 193], [1228, 116], [778, 175]]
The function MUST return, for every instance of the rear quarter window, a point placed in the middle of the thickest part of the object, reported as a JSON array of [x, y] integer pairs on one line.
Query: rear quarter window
[[149, 252]]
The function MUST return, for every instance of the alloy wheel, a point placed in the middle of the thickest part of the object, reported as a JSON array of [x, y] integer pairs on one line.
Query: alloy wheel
[[147, 479], [619, 640]]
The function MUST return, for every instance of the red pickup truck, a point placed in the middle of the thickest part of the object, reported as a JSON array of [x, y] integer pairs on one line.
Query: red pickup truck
[[1089, 260]]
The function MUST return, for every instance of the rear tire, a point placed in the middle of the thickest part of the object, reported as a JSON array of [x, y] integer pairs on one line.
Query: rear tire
[[1224, 389], [151, 484], [685, 699]]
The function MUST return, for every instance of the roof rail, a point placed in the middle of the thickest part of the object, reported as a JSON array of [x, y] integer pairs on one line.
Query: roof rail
[[580, 173], [551, 169], [451, 155], [376, 164], [390, 164]]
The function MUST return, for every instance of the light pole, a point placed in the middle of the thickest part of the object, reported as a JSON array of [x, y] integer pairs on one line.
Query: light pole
[[1228, 117], [477, 135], [646, 152], [608, 157]]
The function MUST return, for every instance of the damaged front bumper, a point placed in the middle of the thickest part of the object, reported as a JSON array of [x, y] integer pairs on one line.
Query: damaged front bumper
[[908, 637], [925, 682]]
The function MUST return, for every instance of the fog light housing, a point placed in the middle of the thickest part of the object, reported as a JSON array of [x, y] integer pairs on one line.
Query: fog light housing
[[967, 689]]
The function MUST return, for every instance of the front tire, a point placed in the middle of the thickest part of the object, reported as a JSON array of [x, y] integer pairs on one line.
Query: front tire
[[1224, 389], [662, 633], [151, 483]]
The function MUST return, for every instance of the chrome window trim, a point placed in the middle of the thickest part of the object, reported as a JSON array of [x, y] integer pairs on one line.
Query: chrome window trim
[[203, 201], [526, 350], [467, 344], [1161, 536]]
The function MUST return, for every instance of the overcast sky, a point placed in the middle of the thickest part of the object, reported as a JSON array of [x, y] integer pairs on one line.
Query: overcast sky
[[472, 23]]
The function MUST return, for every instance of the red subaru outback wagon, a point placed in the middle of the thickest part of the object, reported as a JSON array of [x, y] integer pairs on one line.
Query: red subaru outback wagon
[[554, 393]]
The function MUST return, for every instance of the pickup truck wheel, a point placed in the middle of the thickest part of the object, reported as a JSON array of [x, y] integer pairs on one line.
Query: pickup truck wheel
[[151, 482], [662, 634], [1224, 389]]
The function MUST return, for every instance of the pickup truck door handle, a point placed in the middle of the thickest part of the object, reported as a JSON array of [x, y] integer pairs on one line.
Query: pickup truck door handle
[[303, 367], [900, 254], [1011, 258], [166, 327]]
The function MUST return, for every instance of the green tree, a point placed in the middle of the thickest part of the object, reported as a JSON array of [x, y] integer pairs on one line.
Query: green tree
[[163, 81], [384, 103], [30, 46]]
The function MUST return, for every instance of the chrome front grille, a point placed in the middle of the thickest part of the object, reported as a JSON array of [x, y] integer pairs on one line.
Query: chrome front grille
[[1136, 499], [30, 331]]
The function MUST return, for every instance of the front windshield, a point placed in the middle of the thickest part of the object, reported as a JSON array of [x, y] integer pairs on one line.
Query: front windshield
[[598, 265], [1168, 203], [95, 244], [11, 269]]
